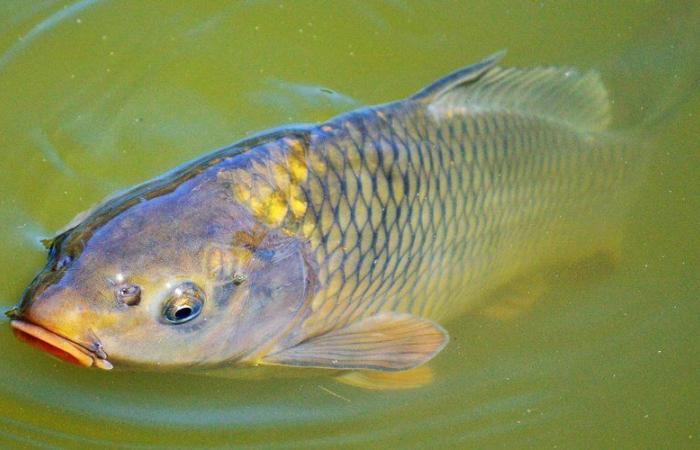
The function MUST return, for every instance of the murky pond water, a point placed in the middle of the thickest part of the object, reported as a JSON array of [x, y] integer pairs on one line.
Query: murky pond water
[[99, 95]]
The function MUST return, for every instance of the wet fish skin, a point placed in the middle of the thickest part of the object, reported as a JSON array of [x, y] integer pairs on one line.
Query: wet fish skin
[[342, 245], [412, 211]]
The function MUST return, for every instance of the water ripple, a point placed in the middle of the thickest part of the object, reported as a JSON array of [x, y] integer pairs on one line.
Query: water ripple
[[42, 27], [51, 153]]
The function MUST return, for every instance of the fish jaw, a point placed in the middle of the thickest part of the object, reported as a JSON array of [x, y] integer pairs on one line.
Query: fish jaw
[[58, 346], [52, 318]]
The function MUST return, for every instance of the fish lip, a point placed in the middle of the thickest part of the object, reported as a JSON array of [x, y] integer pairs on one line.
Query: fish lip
[[60, 346]]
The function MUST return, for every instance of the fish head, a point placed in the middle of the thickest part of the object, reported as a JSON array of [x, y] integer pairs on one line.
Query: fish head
[[184, 279]]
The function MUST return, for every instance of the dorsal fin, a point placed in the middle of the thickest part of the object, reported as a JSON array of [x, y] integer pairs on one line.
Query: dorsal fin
[[457, 78], [558, 94]]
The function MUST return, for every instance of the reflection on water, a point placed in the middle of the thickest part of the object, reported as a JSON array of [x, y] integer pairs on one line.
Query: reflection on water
[[98, 96]]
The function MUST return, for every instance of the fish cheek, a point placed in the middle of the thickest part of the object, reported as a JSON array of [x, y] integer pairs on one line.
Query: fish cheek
[[218, 263], [277, 289]]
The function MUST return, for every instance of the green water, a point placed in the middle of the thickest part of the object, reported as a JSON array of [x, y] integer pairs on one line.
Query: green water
[[98, 95]]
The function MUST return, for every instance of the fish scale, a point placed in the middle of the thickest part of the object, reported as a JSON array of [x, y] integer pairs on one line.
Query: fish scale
[[473, 189], [425, 206]]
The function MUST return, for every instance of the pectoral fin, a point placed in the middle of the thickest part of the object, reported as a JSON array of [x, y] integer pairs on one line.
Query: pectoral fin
[[387, 341], [388, 381]]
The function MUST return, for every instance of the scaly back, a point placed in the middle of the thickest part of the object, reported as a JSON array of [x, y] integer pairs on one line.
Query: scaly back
[[421, 205]]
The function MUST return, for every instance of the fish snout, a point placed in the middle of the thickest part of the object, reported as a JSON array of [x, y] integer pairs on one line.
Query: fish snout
[[57, 321], [53, 308]]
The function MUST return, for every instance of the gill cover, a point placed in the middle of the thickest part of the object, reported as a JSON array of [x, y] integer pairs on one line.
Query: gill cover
[[281, 279]]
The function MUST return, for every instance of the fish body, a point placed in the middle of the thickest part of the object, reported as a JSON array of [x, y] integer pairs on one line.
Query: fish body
[[344, 244]]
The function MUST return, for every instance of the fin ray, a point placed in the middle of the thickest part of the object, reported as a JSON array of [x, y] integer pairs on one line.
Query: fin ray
[[565, 95], [459, 77], [385, 381], [388, 341]]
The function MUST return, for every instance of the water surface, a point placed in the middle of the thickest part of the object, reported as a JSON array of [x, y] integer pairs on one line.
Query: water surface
[[99, 95]]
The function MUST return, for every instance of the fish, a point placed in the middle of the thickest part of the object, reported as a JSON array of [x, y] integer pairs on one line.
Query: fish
[[344, 245]]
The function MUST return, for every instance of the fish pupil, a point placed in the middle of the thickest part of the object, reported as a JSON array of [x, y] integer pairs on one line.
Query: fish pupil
[[183, 312]]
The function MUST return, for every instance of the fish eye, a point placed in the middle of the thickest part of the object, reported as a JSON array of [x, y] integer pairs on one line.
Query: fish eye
[[184, 304], [129, 294]]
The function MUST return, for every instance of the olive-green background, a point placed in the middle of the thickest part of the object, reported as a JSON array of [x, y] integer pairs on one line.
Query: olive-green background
[[98, 95]]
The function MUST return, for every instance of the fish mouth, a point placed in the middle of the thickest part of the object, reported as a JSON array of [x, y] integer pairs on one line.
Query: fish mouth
[[59, 346]]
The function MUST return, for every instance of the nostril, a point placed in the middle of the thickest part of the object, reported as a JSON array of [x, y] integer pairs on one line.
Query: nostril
[[63, 262]]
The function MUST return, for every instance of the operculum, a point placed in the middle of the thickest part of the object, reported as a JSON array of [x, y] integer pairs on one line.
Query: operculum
[[279, 283]]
